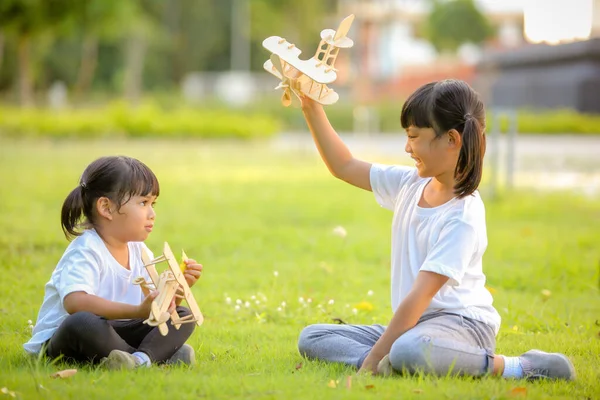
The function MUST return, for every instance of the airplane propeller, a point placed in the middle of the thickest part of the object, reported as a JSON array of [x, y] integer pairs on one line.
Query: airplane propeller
[[287, 84]]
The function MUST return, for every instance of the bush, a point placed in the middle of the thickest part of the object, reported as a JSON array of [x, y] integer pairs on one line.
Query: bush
[[341, 116], [147, 120], [261, 119]]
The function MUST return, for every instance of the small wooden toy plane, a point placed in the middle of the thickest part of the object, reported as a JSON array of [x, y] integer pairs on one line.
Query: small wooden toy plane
[[315, 72], [167, 284]]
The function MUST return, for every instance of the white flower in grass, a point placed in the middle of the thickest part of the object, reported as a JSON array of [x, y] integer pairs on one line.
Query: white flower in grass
[[228, 300], [238, 301], [354, 311], [301, 299], [252, 297], [247, 304], [330, 302], [340, 231], [237, 307], [319, 306], [257, 302], [283, 304], [276, 274], [309, 300], [370, 293], [279, 309]]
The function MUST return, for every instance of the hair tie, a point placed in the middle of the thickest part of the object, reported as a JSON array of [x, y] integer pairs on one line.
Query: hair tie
[[467, 116], [83, 185]]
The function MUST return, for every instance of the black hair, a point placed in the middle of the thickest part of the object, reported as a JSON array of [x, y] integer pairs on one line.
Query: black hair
[[452, 104], [116, 177]]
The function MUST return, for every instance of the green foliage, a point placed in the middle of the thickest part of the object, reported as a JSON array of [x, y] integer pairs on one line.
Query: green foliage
[[147, 120], [183, 36], [244, 212], [341, 116], [454, 22]]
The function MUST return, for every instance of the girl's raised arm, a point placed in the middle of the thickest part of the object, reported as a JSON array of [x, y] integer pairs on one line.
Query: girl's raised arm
[[332, 149]]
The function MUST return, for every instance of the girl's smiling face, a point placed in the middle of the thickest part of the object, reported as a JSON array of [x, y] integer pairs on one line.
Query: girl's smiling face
[[433, 155]]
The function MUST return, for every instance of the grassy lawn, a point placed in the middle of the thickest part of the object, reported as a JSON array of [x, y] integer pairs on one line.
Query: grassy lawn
[[262, 224]]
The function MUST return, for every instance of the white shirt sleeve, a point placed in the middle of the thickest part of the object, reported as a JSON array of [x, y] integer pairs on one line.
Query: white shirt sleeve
[[386, 182], [453, 251], [80, 272]]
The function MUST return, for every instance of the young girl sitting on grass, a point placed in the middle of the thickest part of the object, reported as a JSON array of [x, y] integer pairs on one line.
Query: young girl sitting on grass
[[443, 315], [92, 310]]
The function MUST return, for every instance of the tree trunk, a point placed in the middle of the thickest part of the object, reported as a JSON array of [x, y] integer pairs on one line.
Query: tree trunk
[[1, 49], [134, 66], [25, 80], [87, 66]]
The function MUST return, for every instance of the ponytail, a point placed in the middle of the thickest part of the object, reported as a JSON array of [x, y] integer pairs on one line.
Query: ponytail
[[71, 213], [469, 167]]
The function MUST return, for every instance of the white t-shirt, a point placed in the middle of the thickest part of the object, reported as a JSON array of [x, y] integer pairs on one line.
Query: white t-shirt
[[87, 266], [449, 240]]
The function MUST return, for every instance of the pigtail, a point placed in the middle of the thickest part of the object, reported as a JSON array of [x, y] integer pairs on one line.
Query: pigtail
[[71, 213], [469, 167]]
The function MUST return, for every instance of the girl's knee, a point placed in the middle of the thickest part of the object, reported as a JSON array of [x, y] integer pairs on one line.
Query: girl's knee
[[80, 320], [411, 353], [307, 338]]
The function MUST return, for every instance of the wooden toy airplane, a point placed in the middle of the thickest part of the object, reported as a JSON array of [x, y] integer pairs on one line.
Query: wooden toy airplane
[[315, 72], [167, 284]]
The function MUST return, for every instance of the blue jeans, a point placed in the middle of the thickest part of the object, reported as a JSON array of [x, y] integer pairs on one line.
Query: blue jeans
[[440, 343]]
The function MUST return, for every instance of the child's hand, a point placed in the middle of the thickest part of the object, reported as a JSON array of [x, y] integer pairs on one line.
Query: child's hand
[[370, 363], [143, 310], [192, 272]]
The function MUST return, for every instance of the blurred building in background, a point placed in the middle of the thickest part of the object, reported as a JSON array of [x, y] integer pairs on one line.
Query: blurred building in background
[[541, 54]]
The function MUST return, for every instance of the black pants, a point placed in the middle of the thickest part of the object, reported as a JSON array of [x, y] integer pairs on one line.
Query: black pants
[[86, 337]]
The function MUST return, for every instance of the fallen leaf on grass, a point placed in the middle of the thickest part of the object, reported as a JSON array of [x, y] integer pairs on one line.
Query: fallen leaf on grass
[[369, 386], [518, 391], [298, 366], [418, 391], [332, 384], [67, 373], [7, 392], [349, 382]]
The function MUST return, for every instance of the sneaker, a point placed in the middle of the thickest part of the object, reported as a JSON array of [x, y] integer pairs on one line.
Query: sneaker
[[384, 368], [539, 364], [118, 359], [185, 355]]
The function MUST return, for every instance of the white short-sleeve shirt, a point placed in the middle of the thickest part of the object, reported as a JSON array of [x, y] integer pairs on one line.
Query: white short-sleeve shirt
[[86, 266], [449, 240]]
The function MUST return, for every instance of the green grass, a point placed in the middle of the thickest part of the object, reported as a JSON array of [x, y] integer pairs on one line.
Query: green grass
[[244, 212]]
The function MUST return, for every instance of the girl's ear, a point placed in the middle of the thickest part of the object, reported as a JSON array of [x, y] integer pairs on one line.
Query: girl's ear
[[103, 208], [454, 139]]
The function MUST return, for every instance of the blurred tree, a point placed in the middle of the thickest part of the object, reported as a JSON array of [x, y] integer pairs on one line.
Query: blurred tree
[[27, 20], [109, 45], [93, 21], [452, 23], [1, 49], [298, 21]]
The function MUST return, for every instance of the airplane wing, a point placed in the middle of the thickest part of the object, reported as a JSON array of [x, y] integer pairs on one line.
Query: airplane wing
[[328, 96], [187, 292], [290, 55]]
